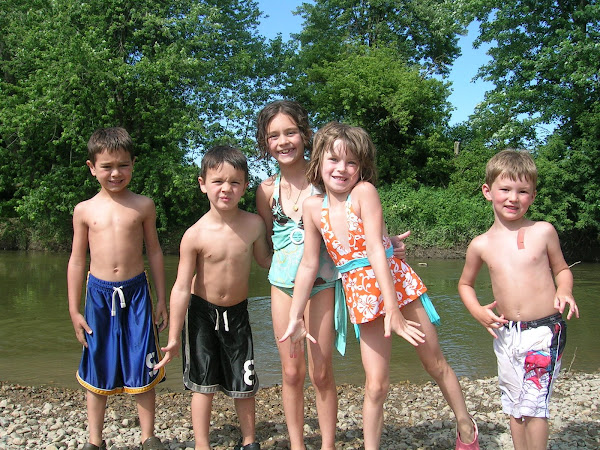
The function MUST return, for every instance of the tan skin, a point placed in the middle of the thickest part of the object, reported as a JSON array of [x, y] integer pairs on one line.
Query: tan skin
[[115, 225], [215, 258], [528, 283]]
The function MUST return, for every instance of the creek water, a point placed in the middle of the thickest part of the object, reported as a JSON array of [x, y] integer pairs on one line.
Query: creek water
[[38, 345]]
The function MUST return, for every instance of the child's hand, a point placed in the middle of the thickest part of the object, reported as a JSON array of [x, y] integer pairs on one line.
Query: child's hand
[[81, 328], [399, 247], [490, 320], [407, 329], [562, 299], [297, 333], [171, 350], [161, 317]]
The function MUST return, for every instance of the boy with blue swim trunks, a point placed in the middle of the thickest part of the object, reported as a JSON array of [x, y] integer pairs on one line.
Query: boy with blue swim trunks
[[528, 329], [209, 306], [118, 329]]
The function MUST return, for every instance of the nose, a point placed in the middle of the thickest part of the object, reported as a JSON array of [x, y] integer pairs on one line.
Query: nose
[[512, 196]]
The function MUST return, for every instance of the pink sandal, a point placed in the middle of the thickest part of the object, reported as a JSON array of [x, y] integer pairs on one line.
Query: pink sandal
[[460, 445]]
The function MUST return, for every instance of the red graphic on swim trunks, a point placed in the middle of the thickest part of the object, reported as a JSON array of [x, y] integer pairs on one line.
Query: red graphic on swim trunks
[[537, 364]]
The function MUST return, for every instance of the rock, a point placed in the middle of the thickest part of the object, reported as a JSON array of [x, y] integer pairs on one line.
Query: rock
[[416, 417]]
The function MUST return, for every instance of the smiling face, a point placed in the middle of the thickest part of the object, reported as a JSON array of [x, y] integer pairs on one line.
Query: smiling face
[[284, 140], [224, 186], [510, 198], [112, 169], [340, 169]]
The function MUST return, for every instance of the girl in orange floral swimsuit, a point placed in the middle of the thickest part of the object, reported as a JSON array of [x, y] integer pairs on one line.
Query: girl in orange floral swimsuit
[[380, 290]]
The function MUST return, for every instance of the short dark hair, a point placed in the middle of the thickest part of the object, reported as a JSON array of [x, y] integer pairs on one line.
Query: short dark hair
[[216, 156], [110, 139]]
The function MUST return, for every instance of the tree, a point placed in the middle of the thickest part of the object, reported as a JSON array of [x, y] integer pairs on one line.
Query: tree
[[179, 76], [423, 33], [371, 63], [403, 111], [544, 64]]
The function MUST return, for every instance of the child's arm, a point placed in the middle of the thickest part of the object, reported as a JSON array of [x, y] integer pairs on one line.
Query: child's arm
[[261, 250], [156, 263], [180, 296], [371, 212], [263, 194], [305, 276], [562, 275], [466, 289], [76, 272]]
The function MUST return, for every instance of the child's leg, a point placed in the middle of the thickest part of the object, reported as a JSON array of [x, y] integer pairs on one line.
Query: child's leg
[[146, 407], [245, 409], [375, 352], [529, 433], [435, 364], [293, 371], [96, 405], [319, 320], [201, 408]]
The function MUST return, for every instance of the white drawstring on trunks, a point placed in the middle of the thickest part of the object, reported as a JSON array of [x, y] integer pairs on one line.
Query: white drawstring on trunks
[[225, 321], [117, 290]]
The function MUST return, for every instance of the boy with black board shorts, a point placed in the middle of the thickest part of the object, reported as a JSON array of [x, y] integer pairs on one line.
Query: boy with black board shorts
[[209, 299]]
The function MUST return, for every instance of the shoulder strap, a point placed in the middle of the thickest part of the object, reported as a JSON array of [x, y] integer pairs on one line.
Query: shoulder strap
[[276, 188]]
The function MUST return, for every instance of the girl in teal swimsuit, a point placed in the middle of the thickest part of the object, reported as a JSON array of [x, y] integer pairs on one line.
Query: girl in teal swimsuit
[[283, 132]]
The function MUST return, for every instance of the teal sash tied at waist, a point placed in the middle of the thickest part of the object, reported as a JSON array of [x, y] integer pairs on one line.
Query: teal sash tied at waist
[[341, 312]]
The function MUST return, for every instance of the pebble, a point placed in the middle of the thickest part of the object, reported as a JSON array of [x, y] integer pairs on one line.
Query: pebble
[[416, 416]]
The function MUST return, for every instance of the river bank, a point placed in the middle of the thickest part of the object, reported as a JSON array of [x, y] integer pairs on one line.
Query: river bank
[[416, 417]]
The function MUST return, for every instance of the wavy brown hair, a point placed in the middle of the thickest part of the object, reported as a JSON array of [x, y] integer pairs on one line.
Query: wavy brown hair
[[355, 139]]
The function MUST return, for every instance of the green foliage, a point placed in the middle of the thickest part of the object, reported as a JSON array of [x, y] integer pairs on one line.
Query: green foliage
[[437, 217], [178, 76], [544, 64], [403, 111], [421, 33]]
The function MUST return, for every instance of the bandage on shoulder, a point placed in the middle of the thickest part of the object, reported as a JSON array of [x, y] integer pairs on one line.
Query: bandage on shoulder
[[521, 239]]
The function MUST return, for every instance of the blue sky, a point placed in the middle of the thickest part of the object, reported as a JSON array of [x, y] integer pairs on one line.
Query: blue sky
[[465, 94]]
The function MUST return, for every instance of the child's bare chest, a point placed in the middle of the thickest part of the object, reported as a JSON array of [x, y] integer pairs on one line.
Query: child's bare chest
[[225, 248], [118, 219]]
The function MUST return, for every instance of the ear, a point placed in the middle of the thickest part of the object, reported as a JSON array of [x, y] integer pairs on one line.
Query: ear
[[487, 192], [202, 185], [91, 166]]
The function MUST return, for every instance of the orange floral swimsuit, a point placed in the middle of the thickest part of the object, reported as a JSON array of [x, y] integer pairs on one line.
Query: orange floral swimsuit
[[363, 296]]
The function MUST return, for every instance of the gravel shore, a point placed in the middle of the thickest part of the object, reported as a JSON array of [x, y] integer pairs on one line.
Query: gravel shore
[[416, 417]]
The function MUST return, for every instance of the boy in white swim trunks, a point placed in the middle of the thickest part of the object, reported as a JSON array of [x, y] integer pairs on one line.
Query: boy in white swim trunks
[[118, 332], [529, 332], [209, 299]]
